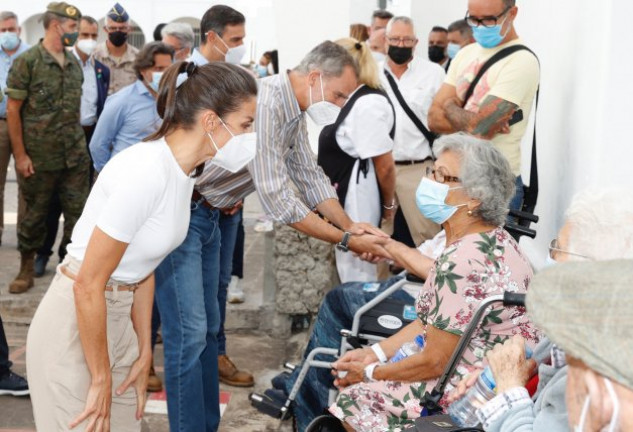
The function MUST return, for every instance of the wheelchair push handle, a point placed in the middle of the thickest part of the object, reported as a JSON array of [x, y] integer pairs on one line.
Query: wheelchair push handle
[[513, 299]]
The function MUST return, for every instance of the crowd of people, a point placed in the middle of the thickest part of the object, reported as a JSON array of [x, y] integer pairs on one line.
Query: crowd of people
[[150, 152]]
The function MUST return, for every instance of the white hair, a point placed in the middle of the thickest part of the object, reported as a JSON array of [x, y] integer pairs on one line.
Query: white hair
[[403, 19], [601, 224], [181, 31], [485, 174]]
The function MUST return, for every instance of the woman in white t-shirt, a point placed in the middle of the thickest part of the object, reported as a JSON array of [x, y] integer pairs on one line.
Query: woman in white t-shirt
[[88, 347], [355, 152]]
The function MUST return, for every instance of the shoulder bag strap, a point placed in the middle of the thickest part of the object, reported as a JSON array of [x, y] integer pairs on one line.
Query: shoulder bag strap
[[430, 136]]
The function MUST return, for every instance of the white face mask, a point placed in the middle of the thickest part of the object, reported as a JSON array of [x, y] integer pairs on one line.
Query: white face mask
[[236, 153], [232, 55], [378, 56], [323, 113], [86, 46], [613, 424]]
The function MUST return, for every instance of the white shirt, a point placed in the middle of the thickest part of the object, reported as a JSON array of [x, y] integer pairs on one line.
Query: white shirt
[[418, 85], [142, 197], [89, 93]]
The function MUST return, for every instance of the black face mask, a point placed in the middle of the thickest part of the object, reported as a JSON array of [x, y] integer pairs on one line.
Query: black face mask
[[117, 38], [436, 53], [400, 55]]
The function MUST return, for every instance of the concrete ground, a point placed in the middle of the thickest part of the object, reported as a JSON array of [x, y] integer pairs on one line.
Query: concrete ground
[[248, 347]]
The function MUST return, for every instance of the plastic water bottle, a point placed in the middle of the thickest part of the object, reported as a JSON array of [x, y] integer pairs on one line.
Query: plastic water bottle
[[464, 411], [408, 348]]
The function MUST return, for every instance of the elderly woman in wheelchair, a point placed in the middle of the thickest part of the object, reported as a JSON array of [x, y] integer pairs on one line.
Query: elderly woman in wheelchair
[[468, 192]]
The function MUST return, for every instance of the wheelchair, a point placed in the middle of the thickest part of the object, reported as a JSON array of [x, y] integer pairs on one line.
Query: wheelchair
[[376, 320]]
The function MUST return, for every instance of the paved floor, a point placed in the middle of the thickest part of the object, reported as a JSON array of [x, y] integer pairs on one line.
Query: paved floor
[[17, 310]]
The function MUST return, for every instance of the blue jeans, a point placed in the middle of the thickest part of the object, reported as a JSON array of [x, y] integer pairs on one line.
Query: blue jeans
[[517, 200], [5, 364], [228, 233], [187, 298], [336, 312]]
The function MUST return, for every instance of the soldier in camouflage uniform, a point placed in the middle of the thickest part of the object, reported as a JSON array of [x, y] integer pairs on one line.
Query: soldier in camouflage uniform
[[48, 143]]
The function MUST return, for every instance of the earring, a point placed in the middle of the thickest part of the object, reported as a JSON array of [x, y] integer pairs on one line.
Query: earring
[[470, 213]]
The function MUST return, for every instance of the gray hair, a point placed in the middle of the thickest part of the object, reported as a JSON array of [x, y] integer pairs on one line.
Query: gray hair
[[485, 174], [328, 58], [7, 15], [403, 19], [601, 224], [181, 31]]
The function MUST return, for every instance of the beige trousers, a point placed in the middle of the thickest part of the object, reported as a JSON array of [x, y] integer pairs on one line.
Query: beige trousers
[[408, 178], [57, 371]]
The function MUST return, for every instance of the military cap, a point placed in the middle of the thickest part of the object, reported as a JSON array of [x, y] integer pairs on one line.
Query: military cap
[[118, 14], [64, 9]]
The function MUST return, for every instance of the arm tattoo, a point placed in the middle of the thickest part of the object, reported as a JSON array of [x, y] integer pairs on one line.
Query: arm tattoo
[[491, 112]]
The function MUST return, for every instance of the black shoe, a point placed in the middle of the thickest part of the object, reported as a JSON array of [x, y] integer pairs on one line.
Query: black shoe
[[39, 267], [14, 385], [280, 382]]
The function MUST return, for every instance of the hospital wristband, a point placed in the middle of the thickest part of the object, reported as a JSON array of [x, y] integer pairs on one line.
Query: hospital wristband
[[377, 349]]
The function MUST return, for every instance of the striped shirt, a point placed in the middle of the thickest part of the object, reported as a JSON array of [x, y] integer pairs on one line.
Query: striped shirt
[[283, 155]]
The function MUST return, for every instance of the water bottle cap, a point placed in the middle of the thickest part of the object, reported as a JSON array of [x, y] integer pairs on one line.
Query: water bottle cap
[[419, 340]]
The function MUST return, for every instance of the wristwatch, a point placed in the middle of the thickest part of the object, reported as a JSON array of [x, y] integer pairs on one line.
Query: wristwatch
[[343, 244], [368, 373]]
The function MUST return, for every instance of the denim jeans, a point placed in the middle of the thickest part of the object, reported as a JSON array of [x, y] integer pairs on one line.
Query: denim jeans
[[187, 298], [517, 200], [336, 312], [228, 235]]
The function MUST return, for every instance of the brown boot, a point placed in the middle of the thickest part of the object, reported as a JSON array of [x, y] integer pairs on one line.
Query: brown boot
[[154, 384], [24, 280], [230, 375]]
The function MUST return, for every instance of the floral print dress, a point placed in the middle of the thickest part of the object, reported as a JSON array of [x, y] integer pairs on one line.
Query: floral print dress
[[468, 271]]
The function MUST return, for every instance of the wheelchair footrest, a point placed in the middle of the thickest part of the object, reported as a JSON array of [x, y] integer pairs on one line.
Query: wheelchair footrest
[[270, 403]]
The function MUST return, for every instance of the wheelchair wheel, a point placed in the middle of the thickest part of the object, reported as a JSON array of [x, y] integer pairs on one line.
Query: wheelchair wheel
[[325, 423]]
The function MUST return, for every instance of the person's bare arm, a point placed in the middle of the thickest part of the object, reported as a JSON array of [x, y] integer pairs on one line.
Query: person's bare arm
[[386, 175], [438, 122], [23, 163], [491, 120], [410, 258], [428, 364]]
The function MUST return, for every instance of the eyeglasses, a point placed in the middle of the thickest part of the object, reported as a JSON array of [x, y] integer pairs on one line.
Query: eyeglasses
[[440, 177], [406, 41], [554, 250], [487, 21]]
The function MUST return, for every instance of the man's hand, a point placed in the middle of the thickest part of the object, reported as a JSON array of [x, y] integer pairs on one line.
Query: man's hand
[[24, 166], [230, 211], [360, 228], [368, 243], [509, 366]]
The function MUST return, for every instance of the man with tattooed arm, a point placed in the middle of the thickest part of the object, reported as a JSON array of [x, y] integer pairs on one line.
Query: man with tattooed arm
[[501, 102]]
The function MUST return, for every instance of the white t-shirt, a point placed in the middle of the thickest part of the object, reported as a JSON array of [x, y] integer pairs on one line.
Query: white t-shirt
[[142, 197]]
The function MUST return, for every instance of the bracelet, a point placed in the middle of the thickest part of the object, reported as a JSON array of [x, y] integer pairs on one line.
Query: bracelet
[[390, 207], [377, 349]]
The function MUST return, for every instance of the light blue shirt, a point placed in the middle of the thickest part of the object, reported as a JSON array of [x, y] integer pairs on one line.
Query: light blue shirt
[[128, 116], [198, 58], [6, 61], [89, 92]]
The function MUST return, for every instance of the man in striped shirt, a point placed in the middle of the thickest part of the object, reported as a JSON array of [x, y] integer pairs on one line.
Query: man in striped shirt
[[322, 82]]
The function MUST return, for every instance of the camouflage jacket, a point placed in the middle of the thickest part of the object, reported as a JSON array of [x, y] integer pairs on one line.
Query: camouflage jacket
[[52, 135], [122, 72]]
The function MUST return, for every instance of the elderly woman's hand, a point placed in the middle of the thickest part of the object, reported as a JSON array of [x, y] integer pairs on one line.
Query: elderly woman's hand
[[509, 366], [463, 386], [353, 364]]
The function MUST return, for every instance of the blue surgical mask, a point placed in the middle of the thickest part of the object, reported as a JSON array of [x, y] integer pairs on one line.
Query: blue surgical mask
[[430, 198], [489, 37], [549, 262], [452, 49], [9, 40], [156, 76], [262, 71]]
